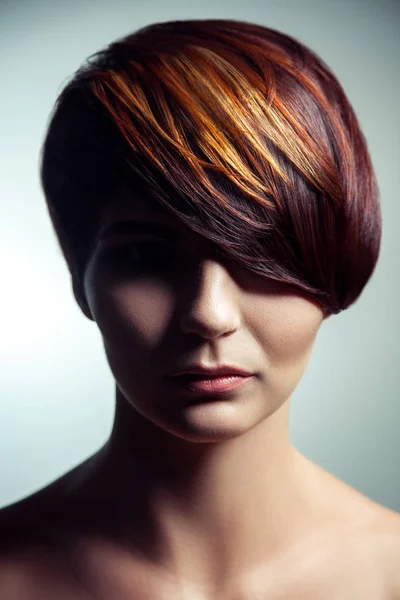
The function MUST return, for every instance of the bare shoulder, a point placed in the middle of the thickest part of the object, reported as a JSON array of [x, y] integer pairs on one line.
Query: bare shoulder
[[385, 538], [364, 561], [34, 519], [34, 541], [23, 532], [36, 577], [365, 539], [35, 523], [375, 546], [31, 564]]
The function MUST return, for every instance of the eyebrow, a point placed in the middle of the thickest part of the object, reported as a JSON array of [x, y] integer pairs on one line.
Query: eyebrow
[[139, 228]]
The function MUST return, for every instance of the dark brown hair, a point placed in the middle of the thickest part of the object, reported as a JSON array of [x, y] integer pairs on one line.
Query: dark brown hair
[[239, 130]]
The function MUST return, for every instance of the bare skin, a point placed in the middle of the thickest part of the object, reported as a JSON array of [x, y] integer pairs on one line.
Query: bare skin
[[196, 500]]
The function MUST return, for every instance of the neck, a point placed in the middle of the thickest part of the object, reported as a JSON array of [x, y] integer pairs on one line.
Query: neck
[[205, 509]]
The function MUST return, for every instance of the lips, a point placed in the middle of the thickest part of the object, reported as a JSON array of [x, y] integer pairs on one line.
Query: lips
[[209, 372], [210, 379], [209, 385]]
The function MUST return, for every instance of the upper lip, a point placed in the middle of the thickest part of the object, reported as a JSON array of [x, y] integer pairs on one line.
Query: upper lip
[[211, 371]]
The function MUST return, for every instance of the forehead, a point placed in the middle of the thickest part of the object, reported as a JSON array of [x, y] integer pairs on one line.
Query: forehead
[[140, 206]]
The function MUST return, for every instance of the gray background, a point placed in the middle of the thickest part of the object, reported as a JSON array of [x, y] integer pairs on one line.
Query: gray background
[[57, 392]]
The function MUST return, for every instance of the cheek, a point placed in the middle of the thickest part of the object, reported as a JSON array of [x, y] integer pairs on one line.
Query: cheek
[[286, 333], [133, 320], [126, 314]]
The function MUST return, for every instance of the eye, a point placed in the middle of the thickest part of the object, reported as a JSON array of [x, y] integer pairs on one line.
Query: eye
[[143, 256]]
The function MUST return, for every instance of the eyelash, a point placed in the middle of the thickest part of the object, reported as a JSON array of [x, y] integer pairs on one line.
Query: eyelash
[[156, 254]]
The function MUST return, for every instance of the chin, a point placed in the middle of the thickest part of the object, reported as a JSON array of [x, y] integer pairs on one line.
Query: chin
[[213, 421]]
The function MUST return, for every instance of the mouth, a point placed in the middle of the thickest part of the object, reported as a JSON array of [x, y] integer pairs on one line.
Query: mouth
[[201, 384], [211, 371]]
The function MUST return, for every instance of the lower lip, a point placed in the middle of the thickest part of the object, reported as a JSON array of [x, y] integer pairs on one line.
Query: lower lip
[[211, 385]]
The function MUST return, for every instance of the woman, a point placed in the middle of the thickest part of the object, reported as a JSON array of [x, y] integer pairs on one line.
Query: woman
[[214, 199]]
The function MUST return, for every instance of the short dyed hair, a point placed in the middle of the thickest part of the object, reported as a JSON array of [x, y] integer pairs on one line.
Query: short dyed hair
[[241, 132]]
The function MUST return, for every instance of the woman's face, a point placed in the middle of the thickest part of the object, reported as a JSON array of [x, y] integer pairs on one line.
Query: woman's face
[[163, 304]]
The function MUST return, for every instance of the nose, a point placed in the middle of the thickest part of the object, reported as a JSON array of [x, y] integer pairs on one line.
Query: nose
[[209, 303]]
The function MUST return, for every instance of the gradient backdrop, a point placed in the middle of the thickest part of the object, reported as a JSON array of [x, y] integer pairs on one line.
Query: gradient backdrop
[[57, 392]]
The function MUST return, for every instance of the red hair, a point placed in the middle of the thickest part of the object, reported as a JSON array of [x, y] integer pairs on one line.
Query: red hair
[[241, 132]]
